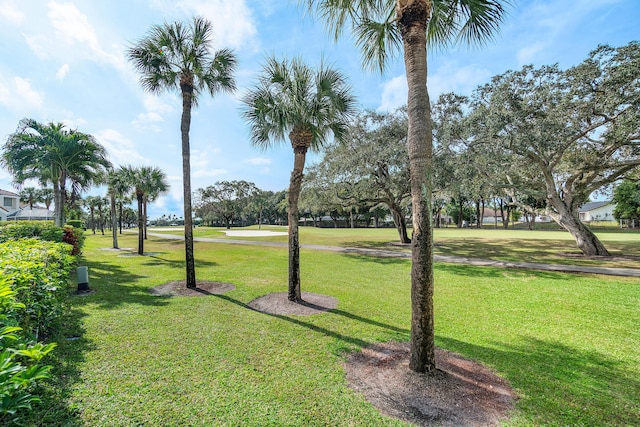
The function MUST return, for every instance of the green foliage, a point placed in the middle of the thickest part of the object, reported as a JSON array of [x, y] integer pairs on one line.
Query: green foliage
[[75, 223], [626, 196], [43, 230], [20, 369], [38, 272]]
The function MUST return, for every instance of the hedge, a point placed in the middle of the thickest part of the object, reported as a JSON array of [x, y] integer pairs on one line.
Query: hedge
[[44, 230], [34, 277]]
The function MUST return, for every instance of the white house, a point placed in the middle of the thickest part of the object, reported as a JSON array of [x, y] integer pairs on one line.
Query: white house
[[9, 203], [597, 211]]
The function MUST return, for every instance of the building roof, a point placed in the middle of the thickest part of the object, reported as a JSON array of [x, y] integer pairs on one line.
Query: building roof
[[593, 205], [27, 214], [7, 193]]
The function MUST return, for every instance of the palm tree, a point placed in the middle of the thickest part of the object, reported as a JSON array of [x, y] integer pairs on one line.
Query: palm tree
[[52, 153], [45, 195], [144, 180], [308, 106], [176, 56], [380, 27], [91, 202], [29, 195], [117, 186]]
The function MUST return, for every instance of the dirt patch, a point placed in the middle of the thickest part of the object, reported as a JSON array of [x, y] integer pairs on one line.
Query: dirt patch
[[277, 303], [460, 393], [179, 289]]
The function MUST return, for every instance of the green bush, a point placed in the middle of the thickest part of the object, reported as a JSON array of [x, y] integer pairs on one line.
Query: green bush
[[75, 223], [38, 273], [20, 369], [44, 230]]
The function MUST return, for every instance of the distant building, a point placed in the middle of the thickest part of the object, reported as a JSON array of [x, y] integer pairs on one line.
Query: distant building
[[9, 203], [11, 210], [597, 211]]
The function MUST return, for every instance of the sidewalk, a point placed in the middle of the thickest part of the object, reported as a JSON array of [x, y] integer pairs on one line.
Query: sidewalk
[[625, 272]]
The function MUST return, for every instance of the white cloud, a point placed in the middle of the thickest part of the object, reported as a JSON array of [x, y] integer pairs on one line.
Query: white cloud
[[155, 108], [233, 21], [452, 78], [120, 149], [257, 161], [10, 12], [62, 72], [449, 77], [74, 36], [17, 94], [394, 93]]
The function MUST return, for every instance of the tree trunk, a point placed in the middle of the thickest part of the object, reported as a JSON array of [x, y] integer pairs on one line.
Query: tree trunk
[[400, 223], [295, 185], [186, 86], [412, 19], [460, 213], [139, 197], [114, 221], [586, 240], [144, 206]]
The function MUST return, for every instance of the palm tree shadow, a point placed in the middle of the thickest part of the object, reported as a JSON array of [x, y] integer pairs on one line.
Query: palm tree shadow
[[115, 286], [352, 341], [588, 383]]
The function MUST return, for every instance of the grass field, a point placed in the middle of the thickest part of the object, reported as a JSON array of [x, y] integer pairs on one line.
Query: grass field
[[568, 343], [542, 246]]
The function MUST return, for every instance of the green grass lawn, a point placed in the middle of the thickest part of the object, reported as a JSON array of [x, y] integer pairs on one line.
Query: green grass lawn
[[542, 246], [568, 343]]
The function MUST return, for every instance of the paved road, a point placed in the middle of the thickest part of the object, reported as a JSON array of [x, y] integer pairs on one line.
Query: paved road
[[629, 272]]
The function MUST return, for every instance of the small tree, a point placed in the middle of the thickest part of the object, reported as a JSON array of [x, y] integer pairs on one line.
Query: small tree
[[308, 106]]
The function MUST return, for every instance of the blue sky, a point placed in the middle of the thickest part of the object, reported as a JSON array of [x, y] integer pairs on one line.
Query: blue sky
[[64, 61]]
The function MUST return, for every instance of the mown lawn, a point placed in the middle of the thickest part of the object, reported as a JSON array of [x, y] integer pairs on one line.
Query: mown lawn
[[542, 246], [568, 343]]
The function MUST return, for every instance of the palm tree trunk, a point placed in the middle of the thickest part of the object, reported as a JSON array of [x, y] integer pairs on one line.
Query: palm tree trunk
[[139, 197], [114, 221], [185, 124], [295, 186], [145, 218], [412, 18]]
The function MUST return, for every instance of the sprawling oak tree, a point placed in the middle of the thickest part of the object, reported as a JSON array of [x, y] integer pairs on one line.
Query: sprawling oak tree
[[566, 133]]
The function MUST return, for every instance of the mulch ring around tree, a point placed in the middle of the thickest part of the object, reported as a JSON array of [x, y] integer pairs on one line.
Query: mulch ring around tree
[[459, 393], [179, 288], [277, 303]]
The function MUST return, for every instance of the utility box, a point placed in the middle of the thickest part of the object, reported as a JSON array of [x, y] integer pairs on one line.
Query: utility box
[[83, 279]]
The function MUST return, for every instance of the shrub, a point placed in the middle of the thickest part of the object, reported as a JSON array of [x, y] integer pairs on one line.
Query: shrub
[[44, 230], [75, 223], [20, 369], [38, 273]]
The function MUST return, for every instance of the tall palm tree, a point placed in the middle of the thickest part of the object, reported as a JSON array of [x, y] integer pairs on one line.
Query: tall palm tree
[[380, 28], [176, 56], [144, 180], [117, 187], [308, 106], [52, 153]]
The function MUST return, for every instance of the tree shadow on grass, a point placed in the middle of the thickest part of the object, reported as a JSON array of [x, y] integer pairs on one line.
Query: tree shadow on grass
[[156, 261], [499, 272], [72, 346], [115, 286], [377, 259], [559, 384], [352, 341]]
